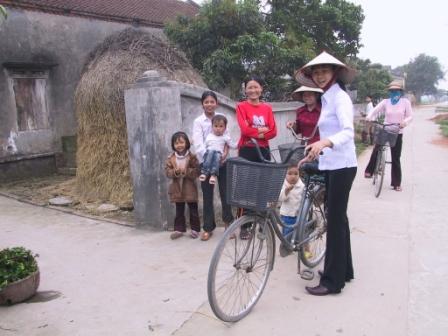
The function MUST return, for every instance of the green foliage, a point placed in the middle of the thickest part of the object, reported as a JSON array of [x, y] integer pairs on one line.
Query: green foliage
[[3, 12], [422, 75], [371, 80], [332, 25], [16, 263], [230, 39], [444, 127]]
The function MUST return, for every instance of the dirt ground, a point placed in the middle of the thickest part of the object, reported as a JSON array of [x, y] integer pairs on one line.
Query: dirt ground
[[40, 190]]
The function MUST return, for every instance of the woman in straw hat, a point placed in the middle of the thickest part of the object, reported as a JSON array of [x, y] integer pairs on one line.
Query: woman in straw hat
[[396, 110], [308, 114], [337, 159]]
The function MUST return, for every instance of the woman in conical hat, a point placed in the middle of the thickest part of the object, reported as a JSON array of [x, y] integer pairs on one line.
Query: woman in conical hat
[[396, 110], [337, 158], [308, 114]]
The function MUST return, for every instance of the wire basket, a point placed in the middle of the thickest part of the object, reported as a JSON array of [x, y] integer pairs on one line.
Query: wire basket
[[299, 152], [254, 185], [383, 136]]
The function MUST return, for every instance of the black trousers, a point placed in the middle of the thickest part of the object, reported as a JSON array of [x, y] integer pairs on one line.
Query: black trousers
[[395, 153], [207, 197], [338, 266], [179, 220]]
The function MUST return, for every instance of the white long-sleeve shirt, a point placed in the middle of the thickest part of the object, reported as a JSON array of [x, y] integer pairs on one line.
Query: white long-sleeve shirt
[[217, 143], [202, 126], [291, 202], [336, 124]]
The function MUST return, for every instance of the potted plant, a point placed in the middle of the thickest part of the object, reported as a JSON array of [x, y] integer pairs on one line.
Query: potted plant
[[19, 275]]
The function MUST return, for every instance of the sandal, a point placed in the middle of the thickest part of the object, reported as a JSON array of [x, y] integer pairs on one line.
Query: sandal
[[307, 274], [194, 234], [244, 234], [206, 235], [367, 175], [176, 234], [398, 188]]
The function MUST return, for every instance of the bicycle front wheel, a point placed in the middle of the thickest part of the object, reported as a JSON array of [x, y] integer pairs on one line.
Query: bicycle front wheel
[[239, 269], [380, 170], [313, 229]]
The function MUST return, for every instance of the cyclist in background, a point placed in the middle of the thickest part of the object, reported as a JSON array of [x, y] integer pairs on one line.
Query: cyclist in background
[[396, 110]]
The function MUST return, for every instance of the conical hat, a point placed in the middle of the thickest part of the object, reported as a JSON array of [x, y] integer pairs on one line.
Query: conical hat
[[298, 93], [345, 74], [395, 85]]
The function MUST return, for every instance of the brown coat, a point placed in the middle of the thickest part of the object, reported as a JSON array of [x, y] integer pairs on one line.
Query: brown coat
[[188, 191]]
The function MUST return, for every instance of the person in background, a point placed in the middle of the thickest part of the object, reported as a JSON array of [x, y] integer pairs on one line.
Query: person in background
[[367, 132], [396, 110], [256, 121], [202, 127], [308, 114], [182, 168], [337, 158]]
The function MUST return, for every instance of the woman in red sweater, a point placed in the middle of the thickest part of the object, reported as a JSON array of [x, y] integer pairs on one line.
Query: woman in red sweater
[[256, 120]]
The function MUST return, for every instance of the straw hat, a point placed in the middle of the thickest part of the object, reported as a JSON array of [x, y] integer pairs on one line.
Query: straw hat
[[395, 85], [298, 94], [345, 74]]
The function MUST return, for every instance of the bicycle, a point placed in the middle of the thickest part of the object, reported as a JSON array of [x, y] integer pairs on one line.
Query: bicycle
[[239, 269], [385, 136]]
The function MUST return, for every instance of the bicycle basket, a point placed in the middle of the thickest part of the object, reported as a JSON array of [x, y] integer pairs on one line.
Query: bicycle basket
[[299, 152], [383, 136], [254, 185]]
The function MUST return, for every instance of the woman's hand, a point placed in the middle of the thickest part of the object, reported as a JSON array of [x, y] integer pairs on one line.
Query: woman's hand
[[290, 124], [313, 151], [263, 129], [402, 124]]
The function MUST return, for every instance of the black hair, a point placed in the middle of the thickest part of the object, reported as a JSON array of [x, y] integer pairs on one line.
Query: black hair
[[179, 135], [254, 78], [208, 93], [219, 117]]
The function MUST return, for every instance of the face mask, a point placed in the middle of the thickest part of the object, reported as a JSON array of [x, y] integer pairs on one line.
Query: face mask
[[394, 96]]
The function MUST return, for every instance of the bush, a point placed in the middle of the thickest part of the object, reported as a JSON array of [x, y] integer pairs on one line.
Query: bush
[[16, 263]]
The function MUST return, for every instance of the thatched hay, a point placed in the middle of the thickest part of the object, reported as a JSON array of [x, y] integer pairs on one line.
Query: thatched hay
[[102, 156]]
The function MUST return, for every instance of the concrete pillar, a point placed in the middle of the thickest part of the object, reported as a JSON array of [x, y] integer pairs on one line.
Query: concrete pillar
[[153, 114]]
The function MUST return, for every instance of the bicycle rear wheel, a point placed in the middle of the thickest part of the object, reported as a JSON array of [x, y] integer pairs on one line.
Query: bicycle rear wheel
[[380, 170], [239, 269], [313, 228]]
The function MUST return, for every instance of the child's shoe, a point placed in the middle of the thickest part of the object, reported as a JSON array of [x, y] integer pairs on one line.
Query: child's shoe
[[194, 234], [202, 177], [212, 179], [176, 234]]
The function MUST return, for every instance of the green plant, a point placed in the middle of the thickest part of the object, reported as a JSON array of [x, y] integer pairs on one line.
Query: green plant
[[3, 12], [16, 263], [444, 127]]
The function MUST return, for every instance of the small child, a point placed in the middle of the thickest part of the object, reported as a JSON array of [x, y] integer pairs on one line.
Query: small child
[[182, 167], [217, 144], [290, 197]]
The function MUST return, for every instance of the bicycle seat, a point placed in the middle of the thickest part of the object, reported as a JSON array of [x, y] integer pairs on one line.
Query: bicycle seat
[[311, 168]]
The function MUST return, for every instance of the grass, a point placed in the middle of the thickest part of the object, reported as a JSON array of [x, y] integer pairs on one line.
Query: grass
[[443, 127]]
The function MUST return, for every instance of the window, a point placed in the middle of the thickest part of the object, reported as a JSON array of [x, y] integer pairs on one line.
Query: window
[[30, 93]]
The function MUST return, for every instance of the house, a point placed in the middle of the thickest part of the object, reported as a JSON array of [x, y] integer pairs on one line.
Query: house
[[44, 46]]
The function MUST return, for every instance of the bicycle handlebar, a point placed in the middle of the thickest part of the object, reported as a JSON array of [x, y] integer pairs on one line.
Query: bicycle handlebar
[[261, 157]]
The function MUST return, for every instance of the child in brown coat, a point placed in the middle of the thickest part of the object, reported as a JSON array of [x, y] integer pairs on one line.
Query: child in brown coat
[[182, 167]]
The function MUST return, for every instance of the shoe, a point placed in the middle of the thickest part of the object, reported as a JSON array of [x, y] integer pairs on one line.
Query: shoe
[[367, 175], [398, 188], [206, 235], [212, 180], [176, 234], [307, 274], [194, 234], [320, 290], [202, 177]]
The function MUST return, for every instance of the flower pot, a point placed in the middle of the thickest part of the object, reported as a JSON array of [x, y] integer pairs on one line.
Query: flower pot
[[20, 290]]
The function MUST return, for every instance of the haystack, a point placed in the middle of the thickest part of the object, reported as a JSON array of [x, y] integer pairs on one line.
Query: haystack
[[102, 158]]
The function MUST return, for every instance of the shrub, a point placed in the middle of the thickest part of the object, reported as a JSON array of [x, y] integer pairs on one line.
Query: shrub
[[16, 263]]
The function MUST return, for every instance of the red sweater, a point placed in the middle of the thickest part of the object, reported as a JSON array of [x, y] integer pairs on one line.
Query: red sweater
[[306, 121], [250, 118]]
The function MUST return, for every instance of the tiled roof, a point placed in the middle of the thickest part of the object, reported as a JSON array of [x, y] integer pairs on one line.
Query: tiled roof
[[146, 12]]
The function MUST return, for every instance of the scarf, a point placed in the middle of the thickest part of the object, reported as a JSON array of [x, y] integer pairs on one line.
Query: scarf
[[394, 96]]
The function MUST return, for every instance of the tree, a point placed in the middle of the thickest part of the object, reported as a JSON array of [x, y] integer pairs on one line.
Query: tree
[[422, 75], [3, 12], [372, 80], [334, 25]]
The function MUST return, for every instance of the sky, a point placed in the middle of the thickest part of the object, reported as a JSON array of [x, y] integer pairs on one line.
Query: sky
[[396, 31]]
